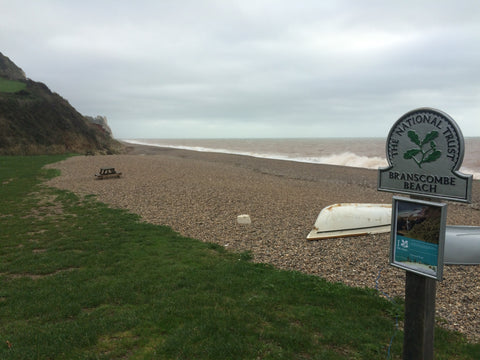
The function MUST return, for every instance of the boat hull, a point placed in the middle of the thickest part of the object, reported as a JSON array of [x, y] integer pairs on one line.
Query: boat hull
[[351, 219]]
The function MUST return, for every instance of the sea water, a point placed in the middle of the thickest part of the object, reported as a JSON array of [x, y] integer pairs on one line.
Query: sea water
[[366, 153]]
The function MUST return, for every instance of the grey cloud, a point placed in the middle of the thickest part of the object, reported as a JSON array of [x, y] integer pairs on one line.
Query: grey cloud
[[243, 67]]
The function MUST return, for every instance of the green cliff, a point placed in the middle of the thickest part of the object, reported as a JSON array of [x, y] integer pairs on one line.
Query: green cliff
[[34, 120]]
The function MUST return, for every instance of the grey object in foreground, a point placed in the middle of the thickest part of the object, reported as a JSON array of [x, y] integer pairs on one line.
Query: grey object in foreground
[[462, 243]]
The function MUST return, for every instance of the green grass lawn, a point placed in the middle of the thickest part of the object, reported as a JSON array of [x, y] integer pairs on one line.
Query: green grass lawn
[[79, 280], [11, 86]]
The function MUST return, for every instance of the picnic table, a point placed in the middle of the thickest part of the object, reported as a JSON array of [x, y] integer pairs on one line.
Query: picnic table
[[107, 173]]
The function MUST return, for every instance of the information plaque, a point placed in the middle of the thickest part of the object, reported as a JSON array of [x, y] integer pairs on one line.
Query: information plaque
[[418, 236]]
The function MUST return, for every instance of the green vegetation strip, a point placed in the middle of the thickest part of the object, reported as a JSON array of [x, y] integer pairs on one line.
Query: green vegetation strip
[[79, 280], [11, 86]]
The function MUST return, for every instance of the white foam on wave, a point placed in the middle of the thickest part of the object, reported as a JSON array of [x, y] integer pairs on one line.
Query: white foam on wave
[[464, 170], [191, 148], [354, 160]]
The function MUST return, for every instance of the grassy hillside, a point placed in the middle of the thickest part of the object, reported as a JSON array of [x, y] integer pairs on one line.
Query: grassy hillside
[[33, 120], [11, 86]]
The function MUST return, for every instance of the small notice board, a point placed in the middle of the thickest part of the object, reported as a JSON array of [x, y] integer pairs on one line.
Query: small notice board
[[418, 236]]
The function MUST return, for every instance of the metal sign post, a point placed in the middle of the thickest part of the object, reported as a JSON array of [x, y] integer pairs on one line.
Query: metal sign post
[[425, 149]]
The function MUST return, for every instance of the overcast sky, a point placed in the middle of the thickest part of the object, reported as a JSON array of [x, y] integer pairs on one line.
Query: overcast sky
[[251, 68]]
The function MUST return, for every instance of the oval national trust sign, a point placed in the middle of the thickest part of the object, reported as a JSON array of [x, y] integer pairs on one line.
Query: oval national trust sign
[[425, 150]]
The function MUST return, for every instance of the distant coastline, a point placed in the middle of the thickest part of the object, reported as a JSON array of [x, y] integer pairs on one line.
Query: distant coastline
[[276, 149], [366, 153]]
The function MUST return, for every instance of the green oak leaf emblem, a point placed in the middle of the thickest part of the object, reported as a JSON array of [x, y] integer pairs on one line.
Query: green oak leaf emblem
[[421, 155]]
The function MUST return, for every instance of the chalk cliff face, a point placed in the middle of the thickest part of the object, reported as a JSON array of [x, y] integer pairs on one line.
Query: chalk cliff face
[[35, 120], [101, 121], [9, 70]]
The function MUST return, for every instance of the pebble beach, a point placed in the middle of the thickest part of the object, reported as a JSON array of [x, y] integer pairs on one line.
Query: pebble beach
[[200, 195]]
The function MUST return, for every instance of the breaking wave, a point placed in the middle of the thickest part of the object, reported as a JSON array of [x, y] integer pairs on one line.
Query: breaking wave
[[354, 160]]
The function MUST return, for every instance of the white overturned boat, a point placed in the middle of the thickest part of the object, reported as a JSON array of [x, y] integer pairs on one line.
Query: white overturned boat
[[351, 219], [462, 243]]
